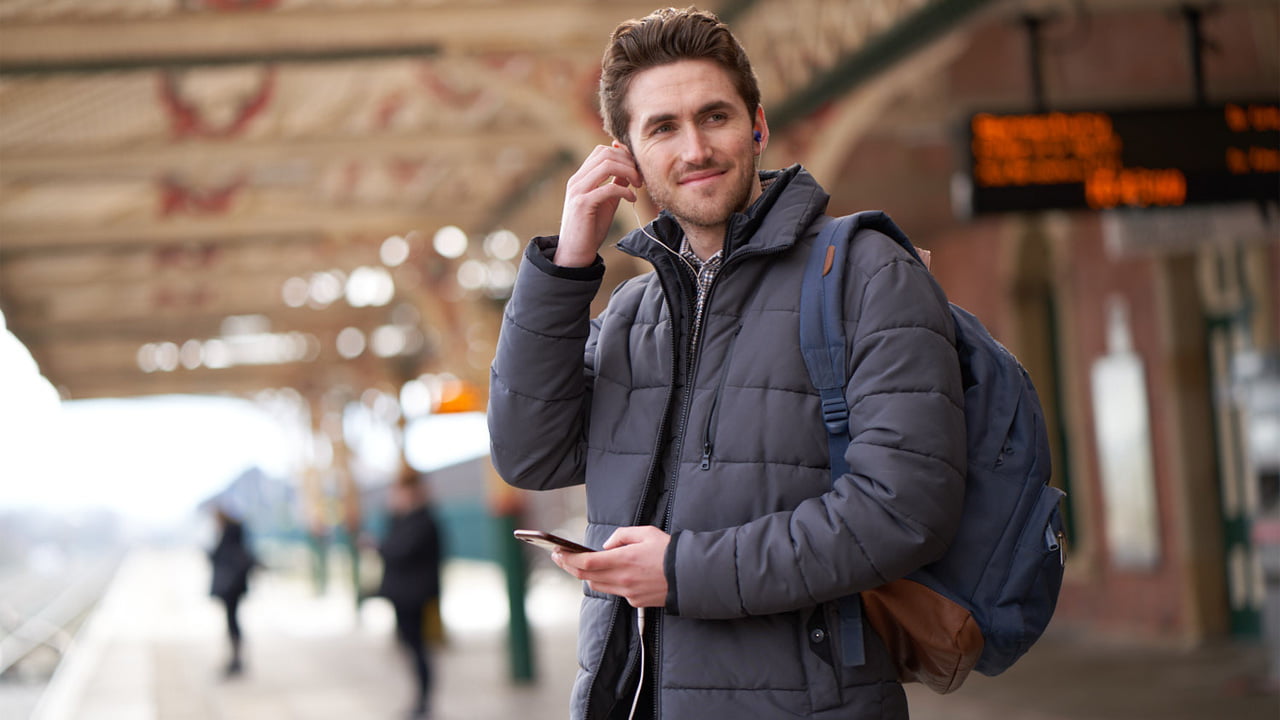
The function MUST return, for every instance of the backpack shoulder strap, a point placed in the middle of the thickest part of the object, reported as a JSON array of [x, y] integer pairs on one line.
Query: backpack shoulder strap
[[822, 340], [822, 344]]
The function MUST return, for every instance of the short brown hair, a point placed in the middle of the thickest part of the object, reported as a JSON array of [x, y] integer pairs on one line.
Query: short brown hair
[[663, 37]]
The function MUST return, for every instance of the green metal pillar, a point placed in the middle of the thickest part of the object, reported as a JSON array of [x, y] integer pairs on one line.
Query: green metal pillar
[[319, 562], [511, 558]]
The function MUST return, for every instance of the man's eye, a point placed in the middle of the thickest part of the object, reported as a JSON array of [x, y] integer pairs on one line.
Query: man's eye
[[663, 129]]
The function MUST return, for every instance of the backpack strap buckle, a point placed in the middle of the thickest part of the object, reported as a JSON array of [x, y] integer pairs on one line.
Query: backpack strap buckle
[[835, 412]]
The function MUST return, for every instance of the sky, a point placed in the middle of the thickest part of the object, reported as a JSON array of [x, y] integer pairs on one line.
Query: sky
[[154, 459]]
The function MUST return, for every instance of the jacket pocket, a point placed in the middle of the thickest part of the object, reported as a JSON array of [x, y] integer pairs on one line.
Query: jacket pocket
[[821, 664]]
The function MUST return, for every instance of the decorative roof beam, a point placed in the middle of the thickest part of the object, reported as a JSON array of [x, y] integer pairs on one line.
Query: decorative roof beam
[[874, 56], [203, 39]]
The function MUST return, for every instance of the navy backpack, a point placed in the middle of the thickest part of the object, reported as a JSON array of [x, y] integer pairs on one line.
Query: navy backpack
[[984, 603]]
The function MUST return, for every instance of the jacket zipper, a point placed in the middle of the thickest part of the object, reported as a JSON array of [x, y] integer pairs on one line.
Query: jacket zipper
[[653, 467], [676, 450], [690, 374], [638, 518], [709, 435]]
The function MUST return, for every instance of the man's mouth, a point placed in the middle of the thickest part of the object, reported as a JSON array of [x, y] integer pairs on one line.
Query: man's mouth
[[701, 176]]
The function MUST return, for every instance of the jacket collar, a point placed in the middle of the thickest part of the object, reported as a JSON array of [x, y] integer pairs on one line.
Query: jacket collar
[[791, 201]]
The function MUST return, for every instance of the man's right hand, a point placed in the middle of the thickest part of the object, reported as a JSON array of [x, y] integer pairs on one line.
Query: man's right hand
[[607, 177]]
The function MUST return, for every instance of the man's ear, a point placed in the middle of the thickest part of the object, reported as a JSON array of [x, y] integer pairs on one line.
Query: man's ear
[[761, 126]]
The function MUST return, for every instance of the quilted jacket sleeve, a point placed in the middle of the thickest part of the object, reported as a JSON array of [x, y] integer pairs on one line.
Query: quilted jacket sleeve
[[539, 384], [899, 507]]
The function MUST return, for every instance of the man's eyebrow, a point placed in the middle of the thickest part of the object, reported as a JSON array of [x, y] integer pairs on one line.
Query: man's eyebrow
[[712, 106]]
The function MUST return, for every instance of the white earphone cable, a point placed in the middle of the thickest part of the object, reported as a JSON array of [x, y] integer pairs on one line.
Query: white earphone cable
[[640, 684], [664, 246]]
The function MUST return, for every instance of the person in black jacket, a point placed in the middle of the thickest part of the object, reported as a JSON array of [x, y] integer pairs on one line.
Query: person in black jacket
[[232, 560], [726, 547], [411, 555]]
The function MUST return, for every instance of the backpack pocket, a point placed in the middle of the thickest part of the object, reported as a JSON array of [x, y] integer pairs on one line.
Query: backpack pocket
[[1030, 593], [932, 639]]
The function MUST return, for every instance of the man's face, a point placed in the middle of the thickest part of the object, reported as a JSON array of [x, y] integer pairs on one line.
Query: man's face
[[692, 137]]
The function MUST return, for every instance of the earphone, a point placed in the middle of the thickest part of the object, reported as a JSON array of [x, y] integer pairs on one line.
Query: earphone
[[758, 136]]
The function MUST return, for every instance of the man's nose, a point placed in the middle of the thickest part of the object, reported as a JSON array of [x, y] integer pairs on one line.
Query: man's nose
[[697, 148]]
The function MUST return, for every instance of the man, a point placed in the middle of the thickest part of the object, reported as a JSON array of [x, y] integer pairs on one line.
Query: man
[[232, 562], [693, 422], [411, 555]]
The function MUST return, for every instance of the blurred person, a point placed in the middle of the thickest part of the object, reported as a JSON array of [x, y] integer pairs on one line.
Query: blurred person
[[232, 561], [694, 423], [411, 554]]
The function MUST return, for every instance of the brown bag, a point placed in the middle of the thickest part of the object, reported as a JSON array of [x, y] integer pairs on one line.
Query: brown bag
[[932, 640]]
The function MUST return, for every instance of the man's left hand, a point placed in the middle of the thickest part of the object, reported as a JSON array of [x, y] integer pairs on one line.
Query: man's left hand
[[630, 565]]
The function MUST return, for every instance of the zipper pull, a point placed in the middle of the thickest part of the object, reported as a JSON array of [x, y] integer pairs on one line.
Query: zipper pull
[[1055, 541], [706, 456]]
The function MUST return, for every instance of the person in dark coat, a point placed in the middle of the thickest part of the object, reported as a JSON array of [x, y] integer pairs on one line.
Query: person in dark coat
[[411, 553], [686, 410], [232, 560]]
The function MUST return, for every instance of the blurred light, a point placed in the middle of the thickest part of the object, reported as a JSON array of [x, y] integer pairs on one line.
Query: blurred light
[[298, 346], [472, 275], [370, 286], [394, 251], [450, 241], [191, 354], [325, 288], [233, 325], [310, 347], [502, 275], [503, 245], [147, 358], [457, 396], [387, 341], [217, 355], [350, 342], [415, 399], [166, 356], [295, 292], [234, 348], [385, 407]]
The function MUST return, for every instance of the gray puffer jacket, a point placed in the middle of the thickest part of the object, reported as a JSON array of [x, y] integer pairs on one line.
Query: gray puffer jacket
[[732, 441]]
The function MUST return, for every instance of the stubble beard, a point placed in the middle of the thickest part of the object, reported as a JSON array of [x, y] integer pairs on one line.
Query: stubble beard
[[703, 211]]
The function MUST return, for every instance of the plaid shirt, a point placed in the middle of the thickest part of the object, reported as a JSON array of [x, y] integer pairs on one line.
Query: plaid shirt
[[704, 274]]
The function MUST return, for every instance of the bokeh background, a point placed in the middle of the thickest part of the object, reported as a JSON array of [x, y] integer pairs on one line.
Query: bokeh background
[[255, 252]]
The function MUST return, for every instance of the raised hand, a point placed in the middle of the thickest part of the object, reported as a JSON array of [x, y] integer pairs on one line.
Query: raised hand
[[607, 177]]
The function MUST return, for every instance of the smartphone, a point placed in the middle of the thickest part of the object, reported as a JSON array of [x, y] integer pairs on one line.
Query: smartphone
[[546, 540]]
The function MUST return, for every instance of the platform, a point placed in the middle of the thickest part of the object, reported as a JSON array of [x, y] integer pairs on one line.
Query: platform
[[154, 648]]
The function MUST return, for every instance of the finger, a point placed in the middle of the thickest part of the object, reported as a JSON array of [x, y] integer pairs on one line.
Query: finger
[[604, 165], [615, 189], [600, 200], [609, 172], [630, 159], [629, 536]]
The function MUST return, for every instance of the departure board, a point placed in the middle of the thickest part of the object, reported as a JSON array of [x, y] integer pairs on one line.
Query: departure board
[[1165, 157]]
